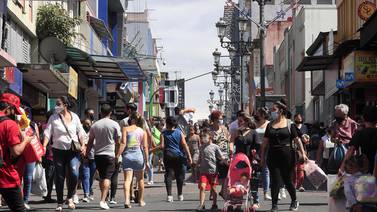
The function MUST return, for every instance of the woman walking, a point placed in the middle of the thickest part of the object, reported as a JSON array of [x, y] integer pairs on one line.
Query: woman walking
[[194, 145], [221, 138], [67, 134], [261, 117], [281, 156], [176, 153], [134, 157]]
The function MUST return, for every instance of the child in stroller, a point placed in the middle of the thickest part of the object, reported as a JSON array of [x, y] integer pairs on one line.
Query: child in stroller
[[238, 184]]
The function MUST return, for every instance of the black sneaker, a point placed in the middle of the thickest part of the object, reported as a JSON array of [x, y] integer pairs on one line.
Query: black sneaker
[[274, 208], [294, 206], [214, 207]]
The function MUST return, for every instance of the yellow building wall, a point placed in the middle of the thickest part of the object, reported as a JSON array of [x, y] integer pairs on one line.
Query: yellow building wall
[[349, 21]]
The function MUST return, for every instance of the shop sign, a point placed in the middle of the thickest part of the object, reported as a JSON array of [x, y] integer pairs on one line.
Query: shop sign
[[365, 66], [340, 84], [14, 77], [73, 83], [366, 10], [349, 77]]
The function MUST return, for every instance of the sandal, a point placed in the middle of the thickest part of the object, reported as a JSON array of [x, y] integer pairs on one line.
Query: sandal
[[142, 204], [127, 206], [71, 205]]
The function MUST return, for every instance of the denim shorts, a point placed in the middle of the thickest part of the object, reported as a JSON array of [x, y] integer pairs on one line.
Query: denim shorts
[[133, 160]]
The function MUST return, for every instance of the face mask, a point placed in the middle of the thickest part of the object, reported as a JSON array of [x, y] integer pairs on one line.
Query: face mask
[[298, 122], [91, 116], [256, 118], [205, 140], [221, 122], [339, 119], [274, 115], [58, 109]]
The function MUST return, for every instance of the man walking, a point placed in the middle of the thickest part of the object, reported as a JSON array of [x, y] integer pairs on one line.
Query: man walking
[[107, 134], [12, 144]]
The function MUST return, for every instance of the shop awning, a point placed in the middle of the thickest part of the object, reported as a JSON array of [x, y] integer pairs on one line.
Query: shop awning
[[315, 63], [44, 78], [368, 33], [104, 67], [347, 47], [100, 27], [149, 65]]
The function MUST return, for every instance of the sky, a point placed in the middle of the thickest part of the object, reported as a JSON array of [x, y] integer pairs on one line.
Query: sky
[[186, 30]]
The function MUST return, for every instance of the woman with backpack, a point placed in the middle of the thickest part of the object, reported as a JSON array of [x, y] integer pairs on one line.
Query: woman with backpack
[[281, 157]]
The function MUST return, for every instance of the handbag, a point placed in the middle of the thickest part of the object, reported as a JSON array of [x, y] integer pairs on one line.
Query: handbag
[[298, 154], [75, 146]]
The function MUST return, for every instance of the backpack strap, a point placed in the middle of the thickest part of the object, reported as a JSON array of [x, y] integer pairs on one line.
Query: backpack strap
[[3, 118]]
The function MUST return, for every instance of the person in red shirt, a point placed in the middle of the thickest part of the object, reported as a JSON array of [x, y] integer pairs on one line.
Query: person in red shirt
[[12, 144]]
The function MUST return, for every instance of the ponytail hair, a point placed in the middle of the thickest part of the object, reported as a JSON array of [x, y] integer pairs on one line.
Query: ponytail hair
[[136, 119]]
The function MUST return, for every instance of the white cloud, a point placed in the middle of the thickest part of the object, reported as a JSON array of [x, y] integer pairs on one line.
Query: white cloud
[[188, 33]]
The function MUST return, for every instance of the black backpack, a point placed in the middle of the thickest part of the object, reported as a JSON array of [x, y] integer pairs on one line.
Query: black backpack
[[2, 118]]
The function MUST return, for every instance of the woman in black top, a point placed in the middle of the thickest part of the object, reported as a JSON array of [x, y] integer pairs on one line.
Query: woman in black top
[[246, 142], [281, 155]]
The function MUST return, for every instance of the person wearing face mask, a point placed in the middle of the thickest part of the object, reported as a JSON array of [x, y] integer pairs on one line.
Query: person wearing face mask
[[344, 127], [11, 140], [88, 166], [261, 117], [209, 155], [66, 132], [221, 138], [281, 155], [89, 114]]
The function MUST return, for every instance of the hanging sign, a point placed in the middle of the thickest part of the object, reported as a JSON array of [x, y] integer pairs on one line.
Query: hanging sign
[[366, 10]]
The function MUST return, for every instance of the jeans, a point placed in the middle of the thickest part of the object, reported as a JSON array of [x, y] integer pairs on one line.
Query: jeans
[[13, 198], [50, 176], [66, 159], [28, 179], [150, 169], [174, 167], [88, 171], [265, 179]]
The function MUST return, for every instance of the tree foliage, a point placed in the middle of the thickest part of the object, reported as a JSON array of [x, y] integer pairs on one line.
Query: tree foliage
[[54, 20]]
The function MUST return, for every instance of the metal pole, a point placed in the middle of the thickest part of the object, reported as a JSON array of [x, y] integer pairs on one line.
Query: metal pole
[[241, 69], [262, 66]]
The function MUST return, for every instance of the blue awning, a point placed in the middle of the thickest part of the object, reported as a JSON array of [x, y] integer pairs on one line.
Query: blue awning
[[132, 69]]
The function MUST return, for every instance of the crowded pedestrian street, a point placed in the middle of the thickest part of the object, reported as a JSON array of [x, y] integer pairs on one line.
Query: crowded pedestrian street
[[188, 105]]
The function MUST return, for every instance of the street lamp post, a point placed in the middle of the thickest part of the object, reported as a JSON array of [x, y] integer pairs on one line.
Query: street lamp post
[[241, 47]]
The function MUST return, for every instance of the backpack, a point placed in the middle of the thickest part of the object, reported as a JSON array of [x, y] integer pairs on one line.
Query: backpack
[[2, 118]]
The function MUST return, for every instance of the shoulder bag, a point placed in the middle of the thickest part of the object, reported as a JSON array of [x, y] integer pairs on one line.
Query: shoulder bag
[[298, 154], [75, 146]]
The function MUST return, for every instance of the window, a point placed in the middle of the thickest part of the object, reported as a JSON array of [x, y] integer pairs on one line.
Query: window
[[324, 1], [306, 2]]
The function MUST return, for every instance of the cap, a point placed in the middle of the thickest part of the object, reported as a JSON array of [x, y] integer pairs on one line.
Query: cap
[[132, 106], [13, 100]]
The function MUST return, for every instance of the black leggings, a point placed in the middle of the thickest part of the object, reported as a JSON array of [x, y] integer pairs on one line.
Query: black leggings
[[281, 163], [174, 167]]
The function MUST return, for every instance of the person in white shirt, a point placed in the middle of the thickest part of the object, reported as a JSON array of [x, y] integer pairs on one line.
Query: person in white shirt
[[64, 129], [324, 149]]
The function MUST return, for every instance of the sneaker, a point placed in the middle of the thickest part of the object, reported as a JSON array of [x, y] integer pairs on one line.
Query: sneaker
[[76, 199], [91, 197], [142, 204], [27, 207], [103, 205], [279, 196], [294, 206], [150, 183], [170, 199], [214, 207], [180, 198], [86, 199], [127, 206], [282, 193], [274, 208], [267, 196], [301, 189], [112, 202], [201, 208], [59, 207]]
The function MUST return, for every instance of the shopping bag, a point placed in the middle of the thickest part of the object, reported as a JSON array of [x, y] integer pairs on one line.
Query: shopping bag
[[335, 204], [314, 174], [366, 189], [39, 184], [34, 150], [336, 158]]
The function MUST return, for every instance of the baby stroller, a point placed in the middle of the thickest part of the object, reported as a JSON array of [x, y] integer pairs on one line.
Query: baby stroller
[[237, 193]]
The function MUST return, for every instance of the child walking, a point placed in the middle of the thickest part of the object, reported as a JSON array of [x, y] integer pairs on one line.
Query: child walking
[[208, 156]]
